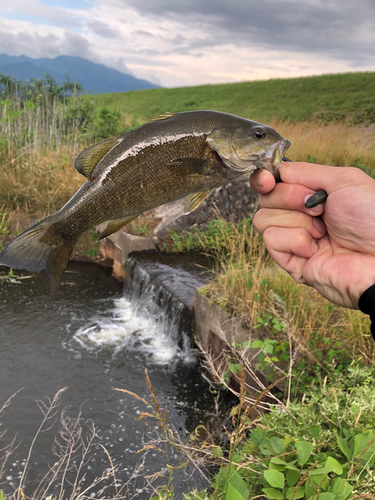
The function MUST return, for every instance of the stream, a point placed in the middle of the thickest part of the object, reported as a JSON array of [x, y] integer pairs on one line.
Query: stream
[[94, 336]]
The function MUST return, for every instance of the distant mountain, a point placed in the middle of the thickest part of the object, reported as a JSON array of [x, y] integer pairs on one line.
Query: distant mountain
[[97, 78]]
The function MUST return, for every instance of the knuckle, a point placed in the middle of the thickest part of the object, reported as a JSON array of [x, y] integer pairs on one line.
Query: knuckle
[[258, 220], [269, 236], [288, 194], [301, 238]]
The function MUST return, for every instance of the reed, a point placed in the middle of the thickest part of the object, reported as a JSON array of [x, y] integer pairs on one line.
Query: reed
[[39, 178], [335, 144], [250, 286]]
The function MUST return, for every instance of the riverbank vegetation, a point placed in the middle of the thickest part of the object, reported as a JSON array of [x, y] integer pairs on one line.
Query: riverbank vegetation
[[318, 442]]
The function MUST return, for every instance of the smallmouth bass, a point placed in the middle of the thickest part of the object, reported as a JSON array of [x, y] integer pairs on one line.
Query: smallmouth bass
[[184, 155]]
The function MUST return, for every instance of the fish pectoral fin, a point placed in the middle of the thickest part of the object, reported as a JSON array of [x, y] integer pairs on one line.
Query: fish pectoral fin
[[195, 165], [164, 116], [86, 161], [115, 225], [194, 200]]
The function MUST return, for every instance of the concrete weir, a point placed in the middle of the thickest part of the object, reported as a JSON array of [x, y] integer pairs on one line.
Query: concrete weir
[[116, 249], [217, 335]]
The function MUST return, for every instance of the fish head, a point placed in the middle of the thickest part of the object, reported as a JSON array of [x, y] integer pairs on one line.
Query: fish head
[[244, 149]]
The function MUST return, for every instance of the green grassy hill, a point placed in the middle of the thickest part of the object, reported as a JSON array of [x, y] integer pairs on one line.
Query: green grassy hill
[[329, 98]]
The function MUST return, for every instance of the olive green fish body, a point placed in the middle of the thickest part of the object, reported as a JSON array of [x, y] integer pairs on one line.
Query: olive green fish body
[[180, 156]]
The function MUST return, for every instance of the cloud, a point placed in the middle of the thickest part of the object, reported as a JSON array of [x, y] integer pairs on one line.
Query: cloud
[[103, 29], [58, 16], [189, 42], [333, 28]]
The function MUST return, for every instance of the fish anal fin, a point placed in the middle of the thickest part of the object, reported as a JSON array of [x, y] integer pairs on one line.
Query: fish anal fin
[[163, 116], [86, 161], [115, 225], [193, 201]]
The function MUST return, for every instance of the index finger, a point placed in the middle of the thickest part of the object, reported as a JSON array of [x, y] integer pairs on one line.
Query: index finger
[[316, 177], [290, 197]]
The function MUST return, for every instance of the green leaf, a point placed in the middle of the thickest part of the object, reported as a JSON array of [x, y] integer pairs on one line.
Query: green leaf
[[275, 478], [360, 443], [292, 467], [217, 451], [234, 411], [309, 490], [355, 409], [257, 344], [304, 450], [237, 489], [327, 496], [314, 430], [233, 494], [273, 494], [344, 447], [341, 488], [334, 465], [235, 368], [317, 472], [258, 436], [300, 493], [277, 445], [292, 477], [274, 466], [278, 461], [318, 478], [30, 105]]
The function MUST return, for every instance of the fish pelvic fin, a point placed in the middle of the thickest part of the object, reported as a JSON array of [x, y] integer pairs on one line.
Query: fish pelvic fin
[[193, 201], [115, 225], [39, 247]]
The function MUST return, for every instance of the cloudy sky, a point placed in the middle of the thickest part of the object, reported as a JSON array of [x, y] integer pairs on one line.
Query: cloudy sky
[[192, 42]]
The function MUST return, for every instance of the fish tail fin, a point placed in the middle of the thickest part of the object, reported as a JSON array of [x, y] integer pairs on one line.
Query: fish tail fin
[[40, 247]]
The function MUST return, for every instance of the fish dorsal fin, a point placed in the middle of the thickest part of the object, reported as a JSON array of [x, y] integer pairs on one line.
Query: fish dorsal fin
[[164, 116], [194, 200], [90, 157], [115, 225]]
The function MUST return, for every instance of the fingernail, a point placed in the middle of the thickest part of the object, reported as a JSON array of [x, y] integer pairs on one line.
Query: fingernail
[[319, 224], [314, 246], [308, 196]]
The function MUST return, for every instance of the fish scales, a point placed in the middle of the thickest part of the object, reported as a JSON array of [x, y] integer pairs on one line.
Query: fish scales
[[181, 156]]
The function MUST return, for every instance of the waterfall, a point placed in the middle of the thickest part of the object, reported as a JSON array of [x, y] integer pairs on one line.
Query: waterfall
[[153, 317]]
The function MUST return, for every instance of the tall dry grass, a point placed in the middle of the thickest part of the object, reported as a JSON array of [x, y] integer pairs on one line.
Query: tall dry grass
[[41, 185], [249, 285], [40, 179], [335, 144]]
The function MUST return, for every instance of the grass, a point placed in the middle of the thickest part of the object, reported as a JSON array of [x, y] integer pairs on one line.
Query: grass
[[249, 286], [40, 139], [317, 114], [329, 98]]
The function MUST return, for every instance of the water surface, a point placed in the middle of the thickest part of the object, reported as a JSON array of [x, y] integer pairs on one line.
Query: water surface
[[91, 338]]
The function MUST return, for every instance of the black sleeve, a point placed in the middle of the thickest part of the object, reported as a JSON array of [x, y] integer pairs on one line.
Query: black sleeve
[[366, 304]]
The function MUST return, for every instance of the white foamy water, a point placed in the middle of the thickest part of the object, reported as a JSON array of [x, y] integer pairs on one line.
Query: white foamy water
[[145, 321]]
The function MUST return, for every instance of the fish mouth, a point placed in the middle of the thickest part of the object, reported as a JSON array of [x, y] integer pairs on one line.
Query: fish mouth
[[278, 154]]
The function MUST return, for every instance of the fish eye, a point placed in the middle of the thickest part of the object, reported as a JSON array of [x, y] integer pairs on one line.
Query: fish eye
[[258, 134]]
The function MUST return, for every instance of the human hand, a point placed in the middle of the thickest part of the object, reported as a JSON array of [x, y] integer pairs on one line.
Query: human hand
[[337, 256]]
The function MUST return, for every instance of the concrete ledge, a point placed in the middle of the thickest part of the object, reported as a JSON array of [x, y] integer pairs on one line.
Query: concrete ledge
[[120, 245], [216, 334]]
